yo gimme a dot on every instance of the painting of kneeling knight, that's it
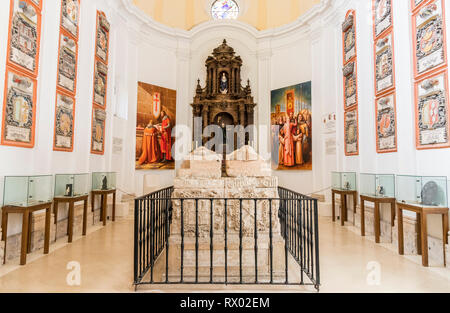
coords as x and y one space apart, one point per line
156 118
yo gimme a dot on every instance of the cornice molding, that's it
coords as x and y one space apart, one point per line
301 24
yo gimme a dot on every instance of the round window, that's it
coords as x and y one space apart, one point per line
224 9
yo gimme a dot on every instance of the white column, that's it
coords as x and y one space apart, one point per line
184 110
262 111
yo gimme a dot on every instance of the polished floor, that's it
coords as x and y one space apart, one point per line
349 263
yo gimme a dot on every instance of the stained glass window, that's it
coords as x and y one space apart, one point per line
224 9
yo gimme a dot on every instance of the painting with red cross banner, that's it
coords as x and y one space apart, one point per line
156 118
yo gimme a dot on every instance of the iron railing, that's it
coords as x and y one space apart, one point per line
213 248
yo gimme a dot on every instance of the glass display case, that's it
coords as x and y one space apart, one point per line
428 191
25 191
104 181
377 185
71 185
343 181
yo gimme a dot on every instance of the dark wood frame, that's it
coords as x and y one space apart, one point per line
71 201
27 213
343 194
422 234
104 203
377 218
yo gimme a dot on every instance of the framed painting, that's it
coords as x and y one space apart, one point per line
351 132
19 110
429 38
24 37
100 83
384 64
386 123
432 111
67 63
70 12
349 37
382 16
156 117
98 131
64 122
291 128
350 86
102 41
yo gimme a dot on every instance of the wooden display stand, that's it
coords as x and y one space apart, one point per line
422 213
71 201
377 218
343 194
104 197
27 213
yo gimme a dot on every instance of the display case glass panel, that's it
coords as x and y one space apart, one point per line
24 191
377 185
71 185
104 181
344 181
428 191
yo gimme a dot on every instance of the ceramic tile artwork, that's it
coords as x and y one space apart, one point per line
102 46
386 123
351 132
432 111
100 82
64 121
349 38
384 63
350 90
67 70
98 131
19 109
69 17
382 16
429 37
24 36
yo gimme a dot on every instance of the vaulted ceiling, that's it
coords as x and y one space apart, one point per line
262 14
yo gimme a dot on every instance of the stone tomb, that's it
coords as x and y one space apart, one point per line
259 186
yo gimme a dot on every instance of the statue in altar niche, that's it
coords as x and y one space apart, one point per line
224 84
223 94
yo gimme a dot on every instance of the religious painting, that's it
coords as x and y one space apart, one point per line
98 131
102 42
19 110
432 112
351 131
100 83
24 36
67 67
291 127
350 86
156 117
70 10
384 64
64 122
382 11
349 37
386 124
429 38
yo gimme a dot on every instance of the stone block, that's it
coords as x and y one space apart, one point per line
248 169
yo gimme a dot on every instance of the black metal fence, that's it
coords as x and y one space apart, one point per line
158 260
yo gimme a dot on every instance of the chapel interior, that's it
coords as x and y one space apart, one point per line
290 146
